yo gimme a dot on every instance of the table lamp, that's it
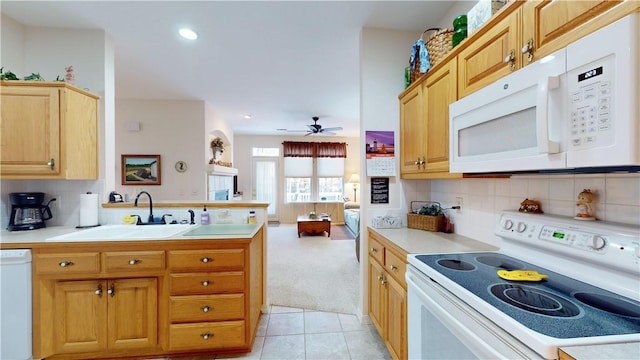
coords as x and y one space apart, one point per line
355 180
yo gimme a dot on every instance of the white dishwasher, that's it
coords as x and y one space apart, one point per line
15 304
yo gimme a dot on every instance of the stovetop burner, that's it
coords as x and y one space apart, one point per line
557 306
535 300
456 264
500 262
609 304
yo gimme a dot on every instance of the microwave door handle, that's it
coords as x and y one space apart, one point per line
545 146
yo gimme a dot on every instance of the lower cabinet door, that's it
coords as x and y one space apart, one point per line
377 304
209 335
132 313
80 309
396 319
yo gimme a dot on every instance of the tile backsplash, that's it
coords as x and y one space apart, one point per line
617 200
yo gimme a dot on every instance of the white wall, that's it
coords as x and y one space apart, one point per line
172 129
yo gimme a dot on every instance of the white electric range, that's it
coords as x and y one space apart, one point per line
589 293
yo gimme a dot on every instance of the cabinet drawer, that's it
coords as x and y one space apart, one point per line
395 266
134 260
376 250
68 263
206 260
207 283
201 308
209 335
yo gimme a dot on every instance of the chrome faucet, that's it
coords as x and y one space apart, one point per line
150 205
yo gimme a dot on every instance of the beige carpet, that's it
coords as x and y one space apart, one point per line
311 272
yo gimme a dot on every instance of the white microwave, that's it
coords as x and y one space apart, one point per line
576 108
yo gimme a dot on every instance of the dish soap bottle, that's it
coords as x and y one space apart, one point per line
252 217
204 216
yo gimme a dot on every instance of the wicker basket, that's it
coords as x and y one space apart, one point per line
424 222
439 44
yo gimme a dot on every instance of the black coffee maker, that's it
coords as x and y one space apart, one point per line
28 212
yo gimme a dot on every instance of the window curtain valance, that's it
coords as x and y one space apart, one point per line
314 149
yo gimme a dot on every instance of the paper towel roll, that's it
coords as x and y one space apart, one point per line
88 209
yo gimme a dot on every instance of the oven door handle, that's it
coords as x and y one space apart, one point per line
478 346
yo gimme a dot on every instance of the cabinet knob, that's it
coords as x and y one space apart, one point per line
205 283
111 291
134 261
51 164
65 263
206 259
374 250
206 336
511 59
528 49
393 267
99 290
205 308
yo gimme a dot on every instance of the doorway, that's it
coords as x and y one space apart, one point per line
265 184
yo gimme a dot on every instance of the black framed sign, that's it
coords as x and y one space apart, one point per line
379 190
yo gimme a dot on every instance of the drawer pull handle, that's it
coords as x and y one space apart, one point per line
65 263
206 336
205 283
134 261
206 259
206 308
394 268
373 250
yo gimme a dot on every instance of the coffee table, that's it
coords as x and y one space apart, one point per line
315 226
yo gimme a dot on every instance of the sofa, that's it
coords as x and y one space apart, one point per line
352 221
352 217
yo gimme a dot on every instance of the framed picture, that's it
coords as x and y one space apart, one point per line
141 170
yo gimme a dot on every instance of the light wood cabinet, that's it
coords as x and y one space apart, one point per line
49 131
94 316
412 130
147 299
526 31
388 294
424 125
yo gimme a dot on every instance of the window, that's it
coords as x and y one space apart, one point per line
314 179
311 178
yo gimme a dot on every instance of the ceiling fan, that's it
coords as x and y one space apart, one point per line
316 128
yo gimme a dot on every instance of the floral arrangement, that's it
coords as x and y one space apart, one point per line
217 145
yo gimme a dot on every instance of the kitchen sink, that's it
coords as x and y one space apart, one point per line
125 232
222 230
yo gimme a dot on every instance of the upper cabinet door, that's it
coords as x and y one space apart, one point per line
30 136
492 56
412 131
548 26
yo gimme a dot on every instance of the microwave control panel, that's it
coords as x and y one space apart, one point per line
591 98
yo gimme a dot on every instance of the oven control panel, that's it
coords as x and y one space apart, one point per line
613 245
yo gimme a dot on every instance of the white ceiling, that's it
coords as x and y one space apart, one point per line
282 62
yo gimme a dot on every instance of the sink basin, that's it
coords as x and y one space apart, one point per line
222 230
125 232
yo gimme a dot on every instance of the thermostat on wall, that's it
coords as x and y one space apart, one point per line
181 166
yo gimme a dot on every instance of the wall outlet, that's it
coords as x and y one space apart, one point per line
458 203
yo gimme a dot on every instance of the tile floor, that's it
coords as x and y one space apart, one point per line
292 333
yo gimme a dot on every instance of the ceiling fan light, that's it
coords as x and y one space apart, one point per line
188 34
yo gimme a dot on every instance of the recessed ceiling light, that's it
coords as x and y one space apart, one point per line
188 34
247 116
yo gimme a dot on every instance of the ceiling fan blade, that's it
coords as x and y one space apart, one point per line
312 128
332 129
309 133
329 133
297 130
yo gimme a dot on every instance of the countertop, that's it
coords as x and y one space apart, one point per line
189 204
415 241
37 238
607 351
